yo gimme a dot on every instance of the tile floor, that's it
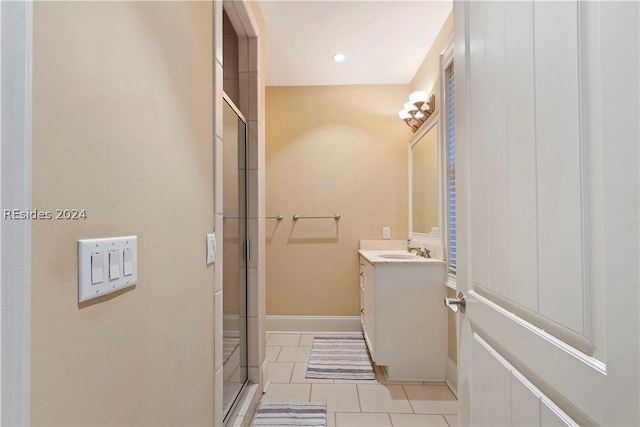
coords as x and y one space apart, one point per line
354 403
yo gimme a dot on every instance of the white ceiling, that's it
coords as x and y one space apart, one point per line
384 41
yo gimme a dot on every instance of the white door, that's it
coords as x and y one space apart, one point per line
547 167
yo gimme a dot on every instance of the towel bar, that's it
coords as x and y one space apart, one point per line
297 217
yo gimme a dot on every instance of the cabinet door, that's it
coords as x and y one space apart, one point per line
362 293
368 313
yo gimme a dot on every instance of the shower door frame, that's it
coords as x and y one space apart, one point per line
247 24
227 415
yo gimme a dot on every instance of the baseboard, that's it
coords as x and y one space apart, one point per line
452 376
313 324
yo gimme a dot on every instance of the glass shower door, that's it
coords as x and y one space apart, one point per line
234 271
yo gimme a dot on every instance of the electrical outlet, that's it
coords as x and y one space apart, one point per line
386 232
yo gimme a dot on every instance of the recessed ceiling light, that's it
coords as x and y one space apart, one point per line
338 57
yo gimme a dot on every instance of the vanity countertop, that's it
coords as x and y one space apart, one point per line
391 256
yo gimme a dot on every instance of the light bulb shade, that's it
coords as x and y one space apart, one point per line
404 114
410 107
418 97
338 57
419 115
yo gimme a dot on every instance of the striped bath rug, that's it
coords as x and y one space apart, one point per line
291 414
339 357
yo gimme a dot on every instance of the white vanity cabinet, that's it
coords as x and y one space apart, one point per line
403 316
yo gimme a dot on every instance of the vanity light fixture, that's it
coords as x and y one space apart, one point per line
419 108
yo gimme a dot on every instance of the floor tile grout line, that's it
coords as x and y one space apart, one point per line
358 394
408 400
292 371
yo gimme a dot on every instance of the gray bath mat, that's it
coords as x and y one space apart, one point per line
291 414
339 357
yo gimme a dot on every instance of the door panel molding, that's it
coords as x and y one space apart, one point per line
559 177
530 404
536 320
547 362
550 227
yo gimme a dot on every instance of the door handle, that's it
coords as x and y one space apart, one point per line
456 304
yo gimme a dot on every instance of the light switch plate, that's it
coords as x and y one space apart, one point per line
108 248
211 248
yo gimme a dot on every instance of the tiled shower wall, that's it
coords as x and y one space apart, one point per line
247 23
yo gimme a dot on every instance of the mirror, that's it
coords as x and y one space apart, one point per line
425 193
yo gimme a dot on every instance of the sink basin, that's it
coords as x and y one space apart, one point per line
398 256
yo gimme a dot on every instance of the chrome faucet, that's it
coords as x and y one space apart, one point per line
425 253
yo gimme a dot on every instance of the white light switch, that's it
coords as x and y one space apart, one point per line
127 264
106 265
115 260
97 268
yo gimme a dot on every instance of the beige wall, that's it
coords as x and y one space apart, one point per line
331 149
428 75
122 127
